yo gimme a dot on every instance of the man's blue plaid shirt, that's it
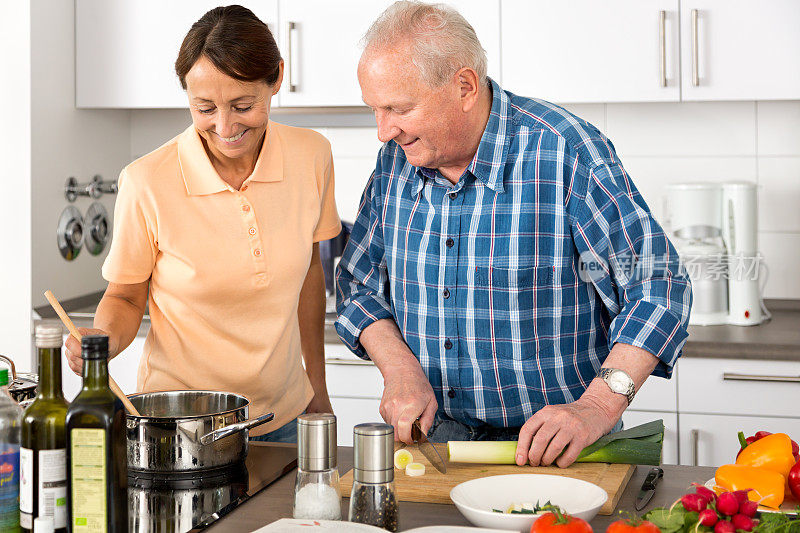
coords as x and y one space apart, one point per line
512 286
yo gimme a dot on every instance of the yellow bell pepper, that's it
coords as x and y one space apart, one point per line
765 486
773 452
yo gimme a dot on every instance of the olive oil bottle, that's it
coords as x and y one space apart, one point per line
96 443
43 448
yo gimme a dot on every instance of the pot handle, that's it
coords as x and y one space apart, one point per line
11 366
223 432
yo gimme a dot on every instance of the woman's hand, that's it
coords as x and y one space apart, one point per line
73 348
320 403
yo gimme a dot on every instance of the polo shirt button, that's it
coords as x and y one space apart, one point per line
244 188
252 231
451 393
245 208
453 195
257 253
446 294
448 344
449 242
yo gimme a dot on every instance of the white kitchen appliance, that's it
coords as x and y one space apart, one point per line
714 228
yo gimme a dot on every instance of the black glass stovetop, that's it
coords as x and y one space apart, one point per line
192 503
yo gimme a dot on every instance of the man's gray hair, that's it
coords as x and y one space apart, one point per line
442 41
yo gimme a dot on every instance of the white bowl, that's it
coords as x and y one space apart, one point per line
475 499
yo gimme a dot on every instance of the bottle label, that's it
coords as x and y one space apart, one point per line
26 484
88 451
9 487
53 486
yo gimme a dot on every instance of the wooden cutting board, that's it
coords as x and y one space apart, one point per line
434 487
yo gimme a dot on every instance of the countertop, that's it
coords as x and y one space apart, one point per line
275 501
776 339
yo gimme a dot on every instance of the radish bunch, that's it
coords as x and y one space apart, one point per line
726 512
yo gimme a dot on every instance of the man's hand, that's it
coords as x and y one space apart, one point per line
73 348
406 397
566 428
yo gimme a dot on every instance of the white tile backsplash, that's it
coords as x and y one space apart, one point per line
717 129
779 194
659 144
779 128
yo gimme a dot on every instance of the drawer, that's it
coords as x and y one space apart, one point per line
739 387
351 412
669 455
658 394
353 380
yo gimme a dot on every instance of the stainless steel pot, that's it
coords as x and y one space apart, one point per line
21 386
188 431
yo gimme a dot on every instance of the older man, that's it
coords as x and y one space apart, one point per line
503 273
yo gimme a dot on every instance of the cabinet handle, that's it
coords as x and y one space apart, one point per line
695 68
730 376
695 438
662 18
290 27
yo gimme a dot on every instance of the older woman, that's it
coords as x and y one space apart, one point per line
219 227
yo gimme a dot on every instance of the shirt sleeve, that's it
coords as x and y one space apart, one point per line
362 288
633 266
329 224
133 250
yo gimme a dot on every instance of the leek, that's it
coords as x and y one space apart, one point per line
638 445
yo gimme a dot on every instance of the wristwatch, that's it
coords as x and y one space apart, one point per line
619 382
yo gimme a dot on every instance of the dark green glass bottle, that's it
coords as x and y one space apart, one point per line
43 448
97 469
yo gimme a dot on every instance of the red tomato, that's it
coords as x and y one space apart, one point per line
560 523
633 525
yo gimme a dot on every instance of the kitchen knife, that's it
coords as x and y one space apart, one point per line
427 449
649 487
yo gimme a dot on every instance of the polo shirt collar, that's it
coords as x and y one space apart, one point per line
489 160
201 178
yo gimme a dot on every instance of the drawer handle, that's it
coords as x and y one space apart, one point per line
695 58
662 41
695 438
348 362
730 376
290 28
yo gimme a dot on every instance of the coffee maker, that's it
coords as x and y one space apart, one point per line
714 228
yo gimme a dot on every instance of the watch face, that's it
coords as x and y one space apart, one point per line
618 382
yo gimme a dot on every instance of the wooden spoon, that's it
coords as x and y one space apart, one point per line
75 333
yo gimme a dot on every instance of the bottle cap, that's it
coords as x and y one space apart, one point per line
43 524
3 377
373 445
49 335
94 347
316 442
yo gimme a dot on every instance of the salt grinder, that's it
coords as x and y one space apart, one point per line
317 493
373 500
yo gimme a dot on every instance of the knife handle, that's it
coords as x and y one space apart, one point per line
652 478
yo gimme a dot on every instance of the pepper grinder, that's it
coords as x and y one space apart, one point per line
317 494
373 500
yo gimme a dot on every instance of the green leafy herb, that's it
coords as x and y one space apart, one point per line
778 523
538 508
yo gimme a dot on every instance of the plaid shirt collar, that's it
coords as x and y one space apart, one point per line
490 159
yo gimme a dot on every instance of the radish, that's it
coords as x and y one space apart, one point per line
706 493
694 502
741 495
749 508
742 522
727 504
707 517
723 526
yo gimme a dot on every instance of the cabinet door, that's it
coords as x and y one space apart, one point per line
349 413
710 440
321 46
125 51
669 455
588 51
740 50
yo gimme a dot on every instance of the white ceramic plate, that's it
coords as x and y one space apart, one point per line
475 499
789 505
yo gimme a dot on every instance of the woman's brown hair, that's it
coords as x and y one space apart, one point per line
235 41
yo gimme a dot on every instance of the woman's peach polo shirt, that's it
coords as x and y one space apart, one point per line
225 266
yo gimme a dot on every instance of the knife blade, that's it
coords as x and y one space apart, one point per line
427 449
648 487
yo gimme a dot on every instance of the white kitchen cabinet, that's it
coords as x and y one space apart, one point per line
123 368
320 46
740 50
658 394
669 455
710 440
125 51
353 411
588 51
